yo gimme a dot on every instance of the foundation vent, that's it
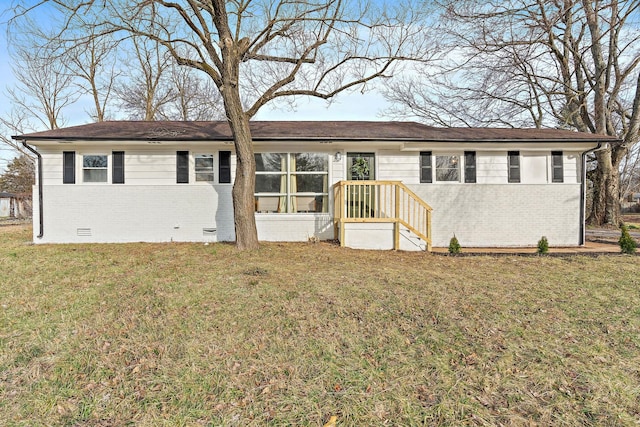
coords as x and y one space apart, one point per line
83 232
208 232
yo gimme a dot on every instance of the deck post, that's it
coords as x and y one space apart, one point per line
396 227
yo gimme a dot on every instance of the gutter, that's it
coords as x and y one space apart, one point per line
583 189
40 206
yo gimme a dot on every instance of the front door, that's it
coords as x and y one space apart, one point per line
361 198
361 166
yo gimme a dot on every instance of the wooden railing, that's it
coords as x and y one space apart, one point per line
381 201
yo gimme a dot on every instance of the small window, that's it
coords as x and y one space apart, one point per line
514 166
204 167
470 166
69 167
426 175
117 172
94 168
182 167
448 168
557 167
224 167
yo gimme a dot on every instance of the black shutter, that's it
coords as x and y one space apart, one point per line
68 167
470 166
182 168
224 167
426 174
557 167
514 166
117 175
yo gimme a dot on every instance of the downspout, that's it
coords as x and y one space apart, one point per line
40 206
583 188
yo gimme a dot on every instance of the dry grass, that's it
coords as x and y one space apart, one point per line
188 334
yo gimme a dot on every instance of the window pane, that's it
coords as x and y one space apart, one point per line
309 183
94 161
309 203
204 162
271 183
204 167
271 162
204 176
95 175
311 162
447 168
266 204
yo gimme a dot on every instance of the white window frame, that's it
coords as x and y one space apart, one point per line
105 168
289 194
212 156
434 157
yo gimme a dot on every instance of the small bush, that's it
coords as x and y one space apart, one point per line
627 244
543 246
454 245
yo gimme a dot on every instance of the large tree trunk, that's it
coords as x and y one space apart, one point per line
244 185
245 182
606 191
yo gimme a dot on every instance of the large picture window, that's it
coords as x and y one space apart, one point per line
292 182
94 168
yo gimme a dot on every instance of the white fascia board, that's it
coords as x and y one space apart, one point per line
502 146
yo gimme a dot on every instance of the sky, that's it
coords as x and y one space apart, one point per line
350 106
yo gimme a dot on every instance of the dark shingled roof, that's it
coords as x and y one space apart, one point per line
304 130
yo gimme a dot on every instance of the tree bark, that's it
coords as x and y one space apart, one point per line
244 184
606 191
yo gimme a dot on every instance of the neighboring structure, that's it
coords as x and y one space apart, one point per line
15 205
370 184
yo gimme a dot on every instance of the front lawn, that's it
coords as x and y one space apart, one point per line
293 334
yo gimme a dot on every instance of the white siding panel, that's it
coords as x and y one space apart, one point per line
394 166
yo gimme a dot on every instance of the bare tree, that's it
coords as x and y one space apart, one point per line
147 90
194 98
93 64
290 48
44 87
569 63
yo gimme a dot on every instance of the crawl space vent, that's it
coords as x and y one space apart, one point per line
83 232
208 232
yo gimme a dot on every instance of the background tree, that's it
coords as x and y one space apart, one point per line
19 177
93 65
571 63
146 92
261 51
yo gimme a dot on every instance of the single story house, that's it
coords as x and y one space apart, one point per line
379 185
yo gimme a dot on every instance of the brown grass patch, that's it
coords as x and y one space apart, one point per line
292 334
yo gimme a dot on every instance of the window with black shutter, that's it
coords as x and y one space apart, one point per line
514 166
224 167
426 174
117 173
557 167
470 166
68 167
182 167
